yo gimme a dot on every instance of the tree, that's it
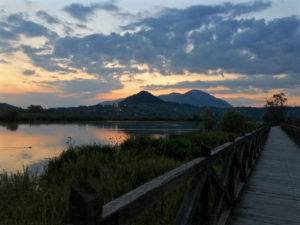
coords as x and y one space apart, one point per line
275 108
12 115
35 108
233 121
208 119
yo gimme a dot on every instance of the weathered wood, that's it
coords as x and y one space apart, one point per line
205 207
292 131
224 217
239 154
243 159
131 204
217 208
231 183
221 188
187 207
272 193
221 150
85 205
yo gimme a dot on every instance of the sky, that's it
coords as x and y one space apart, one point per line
57 53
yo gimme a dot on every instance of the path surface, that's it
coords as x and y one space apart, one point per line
272 194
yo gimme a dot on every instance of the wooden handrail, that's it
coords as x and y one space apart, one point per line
292 131
238 158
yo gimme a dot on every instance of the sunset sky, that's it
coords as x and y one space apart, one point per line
81 52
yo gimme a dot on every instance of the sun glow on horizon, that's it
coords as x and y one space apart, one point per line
61 55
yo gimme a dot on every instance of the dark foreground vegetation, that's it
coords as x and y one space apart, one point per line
113 170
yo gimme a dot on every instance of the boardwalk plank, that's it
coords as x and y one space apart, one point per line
272 194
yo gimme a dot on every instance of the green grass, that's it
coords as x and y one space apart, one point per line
113 171
27 199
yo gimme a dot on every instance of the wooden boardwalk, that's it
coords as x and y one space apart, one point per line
272 193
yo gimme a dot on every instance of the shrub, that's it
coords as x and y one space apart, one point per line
233 121
208 119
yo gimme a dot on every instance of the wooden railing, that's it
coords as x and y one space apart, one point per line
292 131
210 196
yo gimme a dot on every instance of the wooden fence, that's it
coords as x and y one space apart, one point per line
292 131
213 192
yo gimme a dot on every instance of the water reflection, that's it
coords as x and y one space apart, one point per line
33 144
11 126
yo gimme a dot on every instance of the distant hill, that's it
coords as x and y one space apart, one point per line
146 105
196 98
142 97
111 102
141 106
193 97
7 107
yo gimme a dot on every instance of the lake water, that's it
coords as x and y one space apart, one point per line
32 145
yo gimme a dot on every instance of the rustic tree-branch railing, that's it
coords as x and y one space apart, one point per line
292 131
210 196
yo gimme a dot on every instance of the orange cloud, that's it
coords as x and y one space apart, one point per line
137 82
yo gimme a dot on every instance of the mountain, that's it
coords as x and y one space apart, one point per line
144 105
193 97
7 107
111 102
142 97
196 98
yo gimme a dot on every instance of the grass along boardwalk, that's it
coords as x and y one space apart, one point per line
272 194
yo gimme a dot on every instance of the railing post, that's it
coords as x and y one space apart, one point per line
232 175
85 205
206 194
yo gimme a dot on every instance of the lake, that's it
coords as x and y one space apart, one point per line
33 144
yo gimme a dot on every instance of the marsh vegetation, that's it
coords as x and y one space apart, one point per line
27 198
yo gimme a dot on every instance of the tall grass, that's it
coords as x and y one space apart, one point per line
27 198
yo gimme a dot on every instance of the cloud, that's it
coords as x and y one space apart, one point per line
93 87
48 18
15 26
46 61
19 25
242 101
3 61
28 72
197 39
7 34
46 100
247 46
253 84
81 12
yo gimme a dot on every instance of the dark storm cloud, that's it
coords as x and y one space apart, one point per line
48 18
82 12
29 72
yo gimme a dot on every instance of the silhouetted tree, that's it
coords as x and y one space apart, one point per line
35 108
233 121
208 118
12 115
275 108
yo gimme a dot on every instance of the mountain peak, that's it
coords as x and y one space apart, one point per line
6 107
143 97
196 98
196 92
145 93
